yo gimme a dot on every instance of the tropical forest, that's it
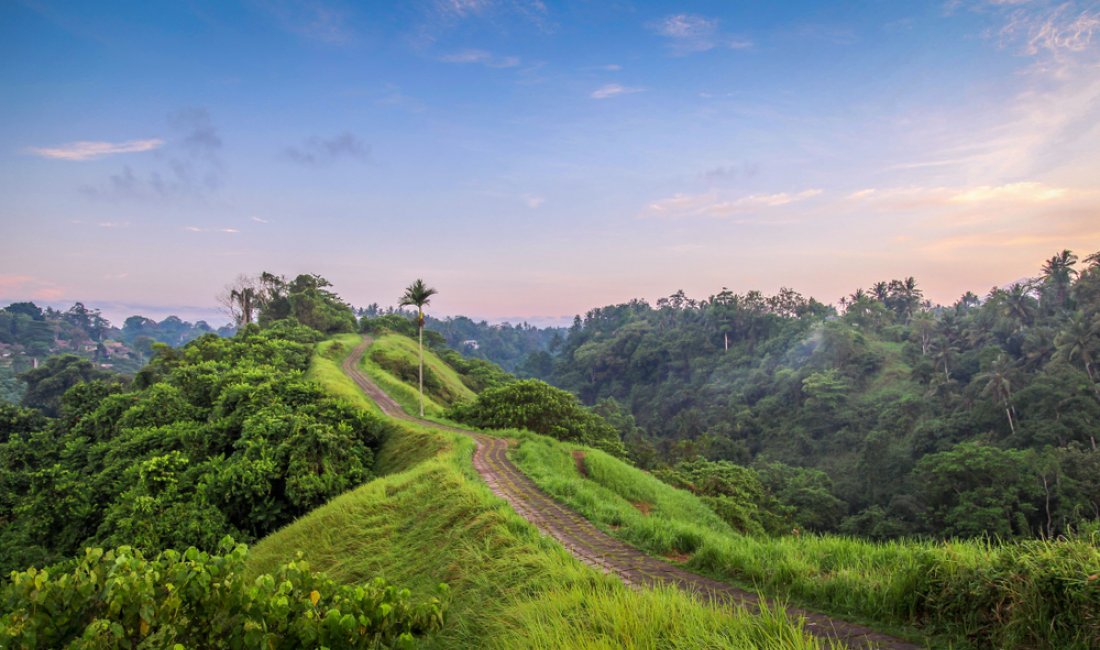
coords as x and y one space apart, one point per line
550 325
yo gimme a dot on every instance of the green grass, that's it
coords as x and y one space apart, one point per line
324 368
971 593
407 395
430 518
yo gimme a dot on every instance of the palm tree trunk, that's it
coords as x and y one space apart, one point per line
420 335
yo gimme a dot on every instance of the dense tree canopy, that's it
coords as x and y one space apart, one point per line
222 436
859 418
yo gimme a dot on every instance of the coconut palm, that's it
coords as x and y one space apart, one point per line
999 386
418 294
1079 342
1058 273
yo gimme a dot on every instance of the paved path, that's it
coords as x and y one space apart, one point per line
595 547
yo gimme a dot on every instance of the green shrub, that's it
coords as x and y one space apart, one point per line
119 599
537 406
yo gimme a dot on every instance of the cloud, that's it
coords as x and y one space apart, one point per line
613 90
711 205
462 8
90 150
113 224
259 220
1064 29
913 197
482 57
312 20
190 166
690 33
729 173
324 151
22 287
1028 192
230 231
533 201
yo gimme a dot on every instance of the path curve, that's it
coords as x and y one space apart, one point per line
595 547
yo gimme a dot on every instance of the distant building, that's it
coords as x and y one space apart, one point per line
472 344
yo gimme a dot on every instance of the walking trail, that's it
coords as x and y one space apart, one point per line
595 547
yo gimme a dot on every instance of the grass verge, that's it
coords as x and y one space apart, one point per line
1031 594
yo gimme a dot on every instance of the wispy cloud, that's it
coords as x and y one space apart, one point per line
463 7
113 224
324 151
711 205
26 286
312 20
189 167
89 150
614 90
690 33
913 197
1065 28
533 201
229 231
259 220
482 57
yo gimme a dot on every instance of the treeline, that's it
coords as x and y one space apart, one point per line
885 418
30 334
221 437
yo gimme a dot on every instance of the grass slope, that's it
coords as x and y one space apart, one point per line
1034 594
430 518
401 347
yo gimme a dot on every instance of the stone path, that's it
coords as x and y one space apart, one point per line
595 547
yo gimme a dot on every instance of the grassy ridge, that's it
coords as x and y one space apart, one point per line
405 395
430 518
1043 594
324 368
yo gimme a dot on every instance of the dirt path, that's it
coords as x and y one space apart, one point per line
596 548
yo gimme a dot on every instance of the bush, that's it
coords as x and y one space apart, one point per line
119 599
537 406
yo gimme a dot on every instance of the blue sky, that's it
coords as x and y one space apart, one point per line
536 159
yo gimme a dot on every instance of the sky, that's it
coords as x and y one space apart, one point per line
535 159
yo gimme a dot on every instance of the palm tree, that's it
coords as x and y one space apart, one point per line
1079 341
999 385
1018 304
418 294
1058 273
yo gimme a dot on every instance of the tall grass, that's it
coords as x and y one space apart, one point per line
405 395
324 368
1031 594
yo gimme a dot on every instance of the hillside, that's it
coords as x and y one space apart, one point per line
891 417
429 518
1045 595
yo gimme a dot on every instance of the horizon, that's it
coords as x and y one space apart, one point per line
531 159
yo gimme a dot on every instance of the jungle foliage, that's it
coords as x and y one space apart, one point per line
539 407
119 598
222 436
889 417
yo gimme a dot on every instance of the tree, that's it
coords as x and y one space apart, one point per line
1058 274
999 385
1079 341
419 294
242 299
